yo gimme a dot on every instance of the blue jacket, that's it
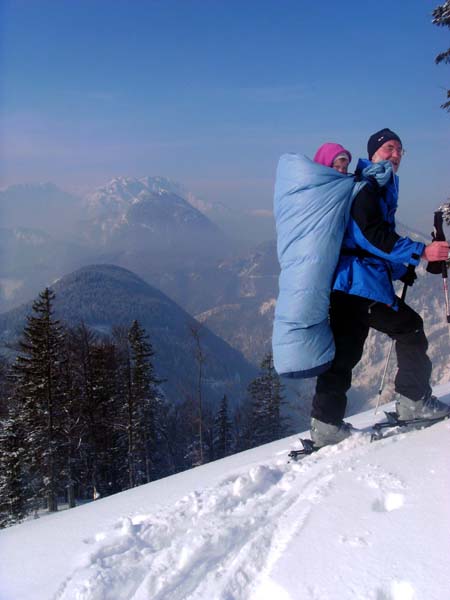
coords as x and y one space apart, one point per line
311 208
371 229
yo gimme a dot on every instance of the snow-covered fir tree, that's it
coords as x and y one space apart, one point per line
14 491
95 373
143 407
38 401
106 453
71 425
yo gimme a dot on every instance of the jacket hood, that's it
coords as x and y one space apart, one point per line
327 153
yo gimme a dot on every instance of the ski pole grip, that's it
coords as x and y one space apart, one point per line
438 235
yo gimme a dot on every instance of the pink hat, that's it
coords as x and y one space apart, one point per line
327 154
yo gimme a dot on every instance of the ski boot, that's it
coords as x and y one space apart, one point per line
428 407
325 434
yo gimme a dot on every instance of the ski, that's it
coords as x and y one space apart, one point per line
394 424
391 426
307 449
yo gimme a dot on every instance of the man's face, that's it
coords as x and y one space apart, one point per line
391 150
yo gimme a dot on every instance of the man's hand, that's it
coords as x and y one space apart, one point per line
436 251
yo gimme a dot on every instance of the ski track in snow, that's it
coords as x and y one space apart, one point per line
220 543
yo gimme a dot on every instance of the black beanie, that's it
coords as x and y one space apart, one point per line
379 138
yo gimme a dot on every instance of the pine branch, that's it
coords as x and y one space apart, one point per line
443 57
441 15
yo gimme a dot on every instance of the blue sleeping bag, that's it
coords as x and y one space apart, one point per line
311 207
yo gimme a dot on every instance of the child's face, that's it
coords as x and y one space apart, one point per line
341 165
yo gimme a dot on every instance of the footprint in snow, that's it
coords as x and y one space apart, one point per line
355 541
391 501
399 590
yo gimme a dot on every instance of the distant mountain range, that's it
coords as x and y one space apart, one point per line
103 296
151 225
215 211
140 224
145 208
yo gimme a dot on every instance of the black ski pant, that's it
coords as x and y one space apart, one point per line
350 319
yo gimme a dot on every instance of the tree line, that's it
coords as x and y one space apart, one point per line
83 416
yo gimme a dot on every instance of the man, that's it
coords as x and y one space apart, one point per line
372 255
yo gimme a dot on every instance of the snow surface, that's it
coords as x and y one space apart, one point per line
361 520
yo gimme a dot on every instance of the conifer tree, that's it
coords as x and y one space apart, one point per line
13 500
197 449
72 426
14 491
266 395
4 387
141 405
81 342
223 431
95 466
108 454
441 18
144 394
243 427
37 399
177 437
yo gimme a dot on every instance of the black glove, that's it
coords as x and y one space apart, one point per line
409 277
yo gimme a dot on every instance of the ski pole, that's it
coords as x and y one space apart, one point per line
435 268
445 282
380 389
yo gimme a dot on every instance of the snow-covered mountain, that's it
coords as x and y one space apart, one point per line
246 227
213 210
356 521
146 227
110 206
121 201
149 225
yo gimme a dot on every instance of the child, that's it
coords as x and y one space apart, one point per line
334 156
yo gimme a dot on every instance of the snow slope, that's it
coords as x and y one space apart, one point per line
357 521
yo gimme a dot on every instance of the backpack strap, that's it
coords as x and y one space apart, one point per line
358 252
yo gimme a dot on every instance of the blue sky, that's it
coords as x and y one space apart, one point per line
211 92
